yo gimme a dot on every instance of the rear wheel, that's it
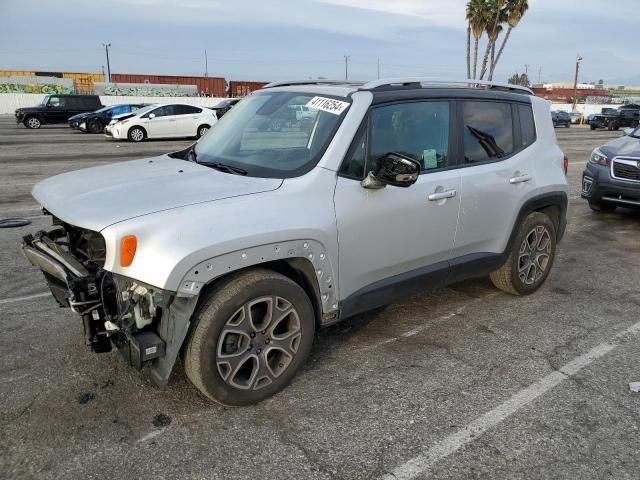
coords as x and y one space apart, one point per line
531 257
601 207
593 127
95 126
32 122
136 134
251 335
202 129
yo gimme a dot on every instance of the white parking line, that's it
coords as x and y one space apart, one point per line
421 464
25 297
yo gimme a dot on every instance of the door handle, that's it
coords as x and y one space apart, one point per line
434 197
520 179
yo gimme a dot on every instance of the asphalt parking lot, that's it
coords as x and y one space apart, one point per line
465 382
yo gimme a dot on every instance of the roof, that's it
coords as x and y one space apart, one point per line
346 87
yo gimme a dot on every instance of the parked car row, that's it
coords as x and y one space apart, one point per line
135 122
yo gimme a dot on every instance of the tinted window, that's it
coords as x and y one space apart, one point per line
163 111
57 102
418 130
186 109
527 127
353 166
488 131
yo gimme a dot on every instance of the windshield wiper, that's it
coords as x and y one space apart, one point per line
225 168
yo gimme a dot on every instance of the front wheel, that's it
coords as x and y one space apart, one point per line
530 258
136 134
95 127
251 334
32 122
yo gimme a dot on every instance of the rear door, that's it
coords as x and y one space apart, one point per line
497 173
188 120
163 124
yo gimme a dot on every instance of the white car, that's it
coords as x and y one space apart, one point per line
162 121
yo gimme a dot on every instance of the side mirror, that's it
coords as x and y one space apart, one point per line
152 116
628 131
396 170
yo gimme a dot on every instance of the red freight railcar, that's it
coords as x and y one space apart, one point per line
213 86
239 88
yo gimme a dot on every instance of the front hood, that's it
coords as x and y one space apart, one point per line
95 198
622 147
80 116
29 109
122 116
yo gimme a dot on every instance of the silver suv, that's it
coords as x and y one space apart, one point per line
234 251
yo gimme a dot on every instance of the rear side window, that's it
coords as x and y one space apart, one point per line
527 126
488 131
186 109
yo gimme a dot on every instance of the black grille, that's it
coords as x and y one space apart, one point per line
628 172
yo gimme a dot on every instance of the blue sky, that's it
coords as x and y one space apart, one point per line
284 39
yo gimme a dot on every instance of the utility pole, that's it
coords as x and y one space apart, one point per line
540 75
575 83
206 64
526 69
106 49
346 67
378 68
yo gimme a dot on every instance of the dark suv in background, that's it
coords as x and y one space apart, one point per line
612 176
57 109
560 117
613 119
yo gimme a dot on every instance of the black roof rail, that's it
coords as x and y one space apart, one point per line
419 82
291 83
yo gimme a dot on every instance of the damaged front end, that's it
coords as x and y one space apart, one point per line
147 324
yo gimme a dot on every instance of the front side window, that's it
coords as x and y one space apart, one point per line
418 130
162 111
56 102
488 131
266 136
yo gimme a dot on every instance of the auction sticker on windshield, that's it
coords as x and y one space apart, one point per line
328 105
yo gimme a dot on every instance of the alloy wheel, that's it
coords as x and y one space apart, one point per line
534 255
258 343
33 122
137 135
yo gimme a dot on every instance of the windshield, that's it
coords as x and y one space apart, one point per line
142 110
273 134
45 100
635 133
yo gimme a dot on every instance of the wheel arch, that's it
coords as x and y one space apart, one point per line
553 204
304 261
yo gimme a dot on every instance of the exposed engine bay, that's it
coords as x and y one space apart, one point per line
115 310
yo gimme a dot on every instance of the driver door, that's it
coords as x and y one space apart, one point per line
393 240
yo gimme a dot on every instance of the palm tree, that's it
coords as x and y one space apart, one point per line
495 13
517 9
476 18
468 49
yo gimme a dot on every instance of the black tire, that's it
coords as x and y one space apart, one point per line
32 122
202 129
520 276
601 207
136 134
593 127
95 126
568 125
209 341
